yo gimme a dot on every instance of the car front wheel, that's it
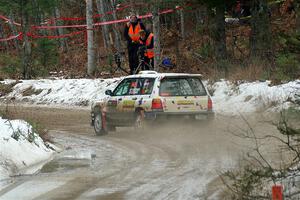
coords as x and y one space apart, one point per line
99 124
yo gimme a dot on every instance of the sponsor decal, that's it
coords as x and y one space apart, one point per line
128 104
112 103
185 102
141 101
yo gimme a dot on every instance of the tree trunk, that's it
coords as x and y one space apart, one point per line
181 13
115 28
105 31
14 31
2 35
26 48
219 34
37 12
91 67
60 31
156 32
132 6
297 9
261 36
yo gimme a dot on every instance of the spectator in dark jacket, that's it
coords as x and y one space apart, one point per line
146 39
131 33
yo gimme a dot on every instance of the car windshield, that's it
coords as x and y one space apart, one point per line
182 86
134 86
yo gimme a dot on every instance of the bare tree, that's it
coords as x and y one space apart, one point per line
219 32
261 36
181 14
249 180
297 9
26 47
105 30
91 67
60 31
156 32
115 27
14 30
3 36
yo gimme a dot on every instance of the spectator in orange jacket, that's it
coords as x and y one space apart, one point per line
131 33
146 39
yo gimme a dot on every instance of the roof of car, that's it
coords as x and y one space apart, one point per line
154 74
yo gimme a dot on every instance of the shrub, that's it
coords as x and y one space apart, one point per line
206 50
46 57
10 66
39 129
288 67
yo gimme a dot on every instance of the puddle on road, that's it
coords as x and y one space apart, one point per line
65 164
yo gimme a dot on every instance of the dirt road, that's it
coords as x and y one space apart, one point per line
173 161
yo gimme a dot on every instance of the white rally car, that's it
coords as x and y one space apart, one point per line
149 96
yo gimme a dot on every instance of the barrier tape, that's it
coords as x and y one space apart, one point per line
51 21
81 26
11 37
107 22
8 20
55 36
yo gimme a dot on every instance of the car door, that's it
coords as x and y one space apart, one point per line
129 94
183 94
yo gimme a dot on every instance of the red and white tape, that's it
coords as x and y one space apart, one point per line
107 22
8 20
11 37
79 26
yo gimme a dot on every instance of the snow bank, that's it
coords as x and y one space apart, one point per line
68 92
21 150
228 98
232 98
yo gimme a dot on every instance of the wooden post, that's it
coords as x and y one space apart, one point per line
277 192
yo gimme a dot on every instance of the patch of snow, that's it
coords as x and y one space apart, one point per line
70 92
21 150
228 98
31 190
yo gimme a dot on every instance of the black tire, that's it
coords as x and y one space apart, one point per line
99 124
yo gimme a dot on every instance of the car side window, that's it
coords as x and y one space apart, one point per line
147 86
175 87
134 86
197 87
122 88
185 86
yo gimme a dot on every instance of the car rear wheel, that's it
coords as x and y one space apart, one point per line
99 124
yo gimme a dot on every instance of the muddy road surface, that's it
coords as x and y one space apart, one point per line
173 161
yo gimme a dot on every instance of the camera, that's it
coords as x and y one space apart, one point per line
141 52
117 58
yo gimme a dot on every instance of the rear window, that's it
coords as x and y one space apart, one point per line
182 86
134 86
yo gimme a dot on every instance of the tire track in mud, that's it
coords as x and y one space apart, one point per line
172 162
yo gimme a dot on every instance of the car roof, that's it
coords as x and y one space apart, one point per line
154 74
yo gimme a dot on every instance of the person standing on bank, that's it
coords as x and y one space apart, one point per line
131 33
146 39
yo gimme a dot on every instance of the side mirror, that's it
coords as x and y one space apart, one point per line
108 92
